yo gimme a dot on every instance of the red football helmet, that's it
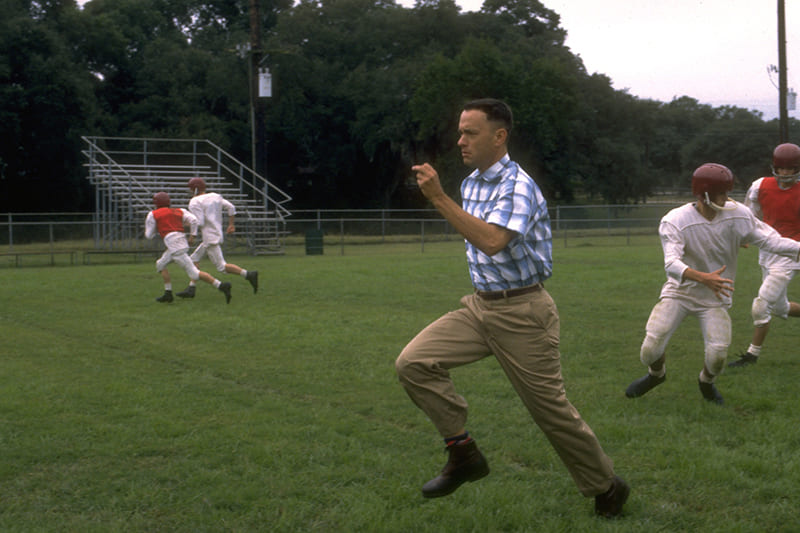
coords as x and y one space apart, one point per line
161 199
711 178
197 185
786 156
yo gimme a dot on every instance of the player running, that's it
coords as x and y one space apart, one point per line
701 241
207 207
776 201
169 223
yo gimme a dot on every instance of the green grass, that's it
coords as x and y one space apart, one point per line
282 411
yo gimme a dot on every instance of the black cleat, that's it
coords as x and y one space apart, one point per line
710 392
745 359
642 385
165 298
252 277
226 289
188 292
609 504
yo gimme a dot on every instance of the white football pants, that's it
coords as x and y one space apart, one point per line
667 315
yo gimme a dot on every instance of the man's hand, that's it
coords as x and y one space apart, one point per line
191 240
714 281
428 181
231 228
488 238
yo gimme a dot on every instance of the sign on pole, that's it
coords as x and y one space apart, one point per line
264 83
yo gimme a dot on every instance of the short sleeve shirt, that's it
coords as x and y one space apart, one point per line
507 196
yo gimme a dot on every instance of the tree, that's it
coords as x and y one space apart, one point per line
46 103
363 89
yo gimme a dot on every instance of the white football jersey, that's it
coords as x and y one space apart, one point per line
690 240
208 210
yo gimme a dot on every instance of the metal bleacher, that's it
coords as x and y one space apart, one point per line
126 172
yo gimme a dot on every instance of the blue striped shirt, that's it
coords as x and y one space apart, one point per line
507 196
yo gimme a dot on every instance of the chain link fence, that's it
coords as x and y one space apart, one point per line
71 238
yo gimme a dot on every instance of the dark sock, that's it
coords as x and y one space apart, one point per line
458 439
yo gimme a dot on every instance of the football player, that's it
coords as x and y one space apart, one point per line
701 243
776 201
169 223
207 207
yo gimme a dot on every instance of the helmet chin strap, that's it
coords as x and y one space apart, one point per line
717 207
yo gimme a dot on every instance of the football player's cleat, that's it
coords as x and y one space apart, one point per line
644 384
745 359
252 277
165 298
226 289
188 292
710 392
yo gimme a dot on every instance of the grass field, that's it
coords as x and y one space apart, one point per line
282 411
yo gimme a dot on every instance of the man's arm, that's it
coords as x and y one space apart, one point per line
767 238
751 198
231 209
150 229
488 238
196 208
191 221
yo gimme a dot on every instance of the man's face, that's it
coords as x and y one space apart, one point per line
481 141
786 176
718 198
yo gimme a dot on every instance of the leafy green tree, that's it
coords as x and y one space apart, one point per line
736 138
363 89
46 103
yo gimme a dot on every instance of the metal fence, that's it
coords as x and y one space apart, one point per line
24 234
386 223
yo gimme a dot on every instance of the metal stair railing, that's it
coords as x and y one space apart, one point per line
126 171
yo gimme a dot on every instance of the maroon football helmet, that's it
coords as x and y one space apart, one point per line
711 178
786 156
161 199
197 185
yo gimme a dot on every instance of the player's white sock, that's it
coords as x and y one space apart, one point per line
168 286
243 273
754 350
217 283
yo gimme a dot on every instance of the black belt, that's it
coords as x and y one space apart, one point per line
509 293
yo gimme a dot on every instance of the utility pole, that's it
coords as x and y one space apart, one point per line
257 133
782 84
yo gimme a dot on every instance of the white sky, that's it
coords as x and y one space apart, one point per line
716 51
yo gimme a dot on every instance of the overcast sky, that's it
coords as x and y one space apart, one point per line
717 51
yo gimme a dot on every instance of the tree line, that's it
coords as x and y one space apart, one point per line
362 89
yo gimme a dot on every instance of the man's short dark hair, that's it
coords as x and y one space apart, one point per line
496 111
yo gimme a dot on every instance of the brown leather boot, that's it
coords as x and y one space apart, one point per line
609 504
465 463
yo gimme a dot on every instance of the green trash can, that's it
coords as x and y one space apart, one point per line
314 242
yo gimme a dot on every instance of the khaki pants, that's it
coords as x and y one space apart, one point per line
523 334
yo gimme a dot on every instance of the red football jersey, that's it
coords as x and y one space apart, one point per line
168 219
780 208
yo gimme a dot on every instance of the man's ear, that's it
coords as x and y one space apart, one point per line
501 136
